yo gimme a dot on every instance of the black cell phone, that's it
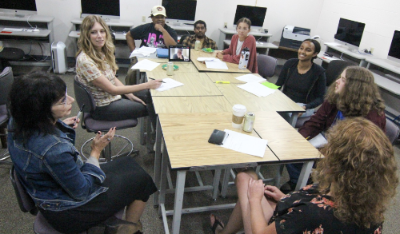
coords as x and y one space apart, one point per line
217 137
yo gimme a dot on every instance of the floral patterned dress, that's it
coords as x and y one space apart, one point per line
309 212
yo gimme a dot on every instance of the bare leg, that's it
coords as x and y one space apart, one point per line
135 210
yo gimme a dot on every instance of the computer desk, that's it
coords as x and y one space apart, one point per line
45 33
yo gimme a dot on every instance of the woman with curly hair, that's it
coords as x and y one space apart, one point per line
353 94
96 68
354 184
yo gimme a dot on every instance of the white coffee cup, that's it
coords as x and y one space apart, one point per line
238 112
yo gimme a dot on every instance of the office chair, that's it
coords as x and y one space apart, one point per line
26 204
392 130
6 80
84 97
266 65
10 54
335 68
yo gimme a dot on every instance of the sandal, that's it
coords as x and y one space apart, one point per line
217 223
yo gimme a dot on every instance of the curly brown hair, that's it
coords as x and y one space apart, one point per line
359 95
359 169
86 46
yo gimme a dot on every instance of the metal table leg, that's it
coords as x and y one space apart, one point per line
304 174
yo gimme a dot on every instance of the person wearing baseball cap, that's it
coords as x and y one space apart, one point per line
155 34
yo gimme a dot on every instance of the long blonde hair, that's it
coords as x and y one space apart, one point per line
85 45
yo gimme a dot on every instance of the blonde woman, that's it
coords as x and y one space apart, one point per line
96 68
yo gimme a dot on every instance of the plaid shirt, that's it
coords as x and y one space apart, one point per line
207 43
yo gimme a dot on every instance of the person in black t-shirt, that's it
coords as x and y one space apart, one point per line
155 34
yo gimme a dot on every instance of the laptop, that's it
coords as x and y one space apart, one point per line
179 53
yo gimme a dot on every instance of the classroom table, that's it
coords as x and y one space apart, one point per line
232 67
186 138
274 102
231 77
204 104
195 84
186 148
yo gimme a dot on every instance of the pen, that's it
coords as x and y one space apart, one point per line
79 114
155 79
222 82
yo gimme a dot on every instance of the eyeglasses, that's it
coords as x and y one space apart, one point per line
64 100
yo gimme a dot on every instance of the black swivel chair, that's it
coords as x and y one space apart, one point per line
335 68
84 97
266 65
6 80
10 54
26 204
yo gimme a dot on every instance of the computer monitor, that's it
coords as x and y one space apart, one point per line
255 14
180 11
18 7
349 33
107 9
394 50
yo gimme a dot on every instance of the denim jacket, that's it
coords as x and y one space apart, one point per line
52 171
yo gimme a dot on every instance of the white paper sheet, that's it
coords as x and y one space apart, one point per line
257 89
142 52
251 78
168 84
216 64
244 143
202 59
318 141
145 64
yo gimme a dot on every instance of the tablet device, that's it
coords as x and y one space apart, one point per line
179 53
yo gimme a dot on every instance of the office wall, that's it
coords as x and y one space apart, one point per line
381 18
321 17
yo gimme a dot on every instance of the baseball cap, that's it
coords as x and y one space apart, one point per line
158 10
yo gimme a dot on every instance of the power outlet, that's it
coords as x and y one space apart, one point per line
225 25
143 19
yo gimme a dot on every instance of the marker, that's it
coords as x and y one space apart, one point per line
222 82
79 114
155 79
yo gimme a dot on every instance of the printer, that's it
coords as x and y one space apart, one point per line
293 36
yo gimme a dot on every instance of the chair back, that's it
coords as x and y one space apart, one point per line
335 68
392 130
84 96
266 65
6 80
25 202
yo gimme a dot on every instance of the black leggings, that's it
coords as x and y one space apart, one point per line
126 109
126 181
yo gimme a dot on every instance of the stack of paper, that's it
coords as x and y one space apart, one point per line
244 143
250 78
216 64
257 89
145 64
143 52
168 83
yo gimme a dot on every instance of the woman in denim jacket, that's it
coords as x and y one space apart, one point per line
72 195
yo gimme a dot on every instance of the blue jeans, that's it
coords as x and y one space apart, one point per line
294 170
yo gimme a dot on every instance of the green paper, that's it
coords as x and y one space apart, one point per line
270 85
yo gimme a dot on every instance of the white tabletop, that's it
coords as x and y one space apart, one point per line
387 84
30 18
265 45
111 22
346 51
386 64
